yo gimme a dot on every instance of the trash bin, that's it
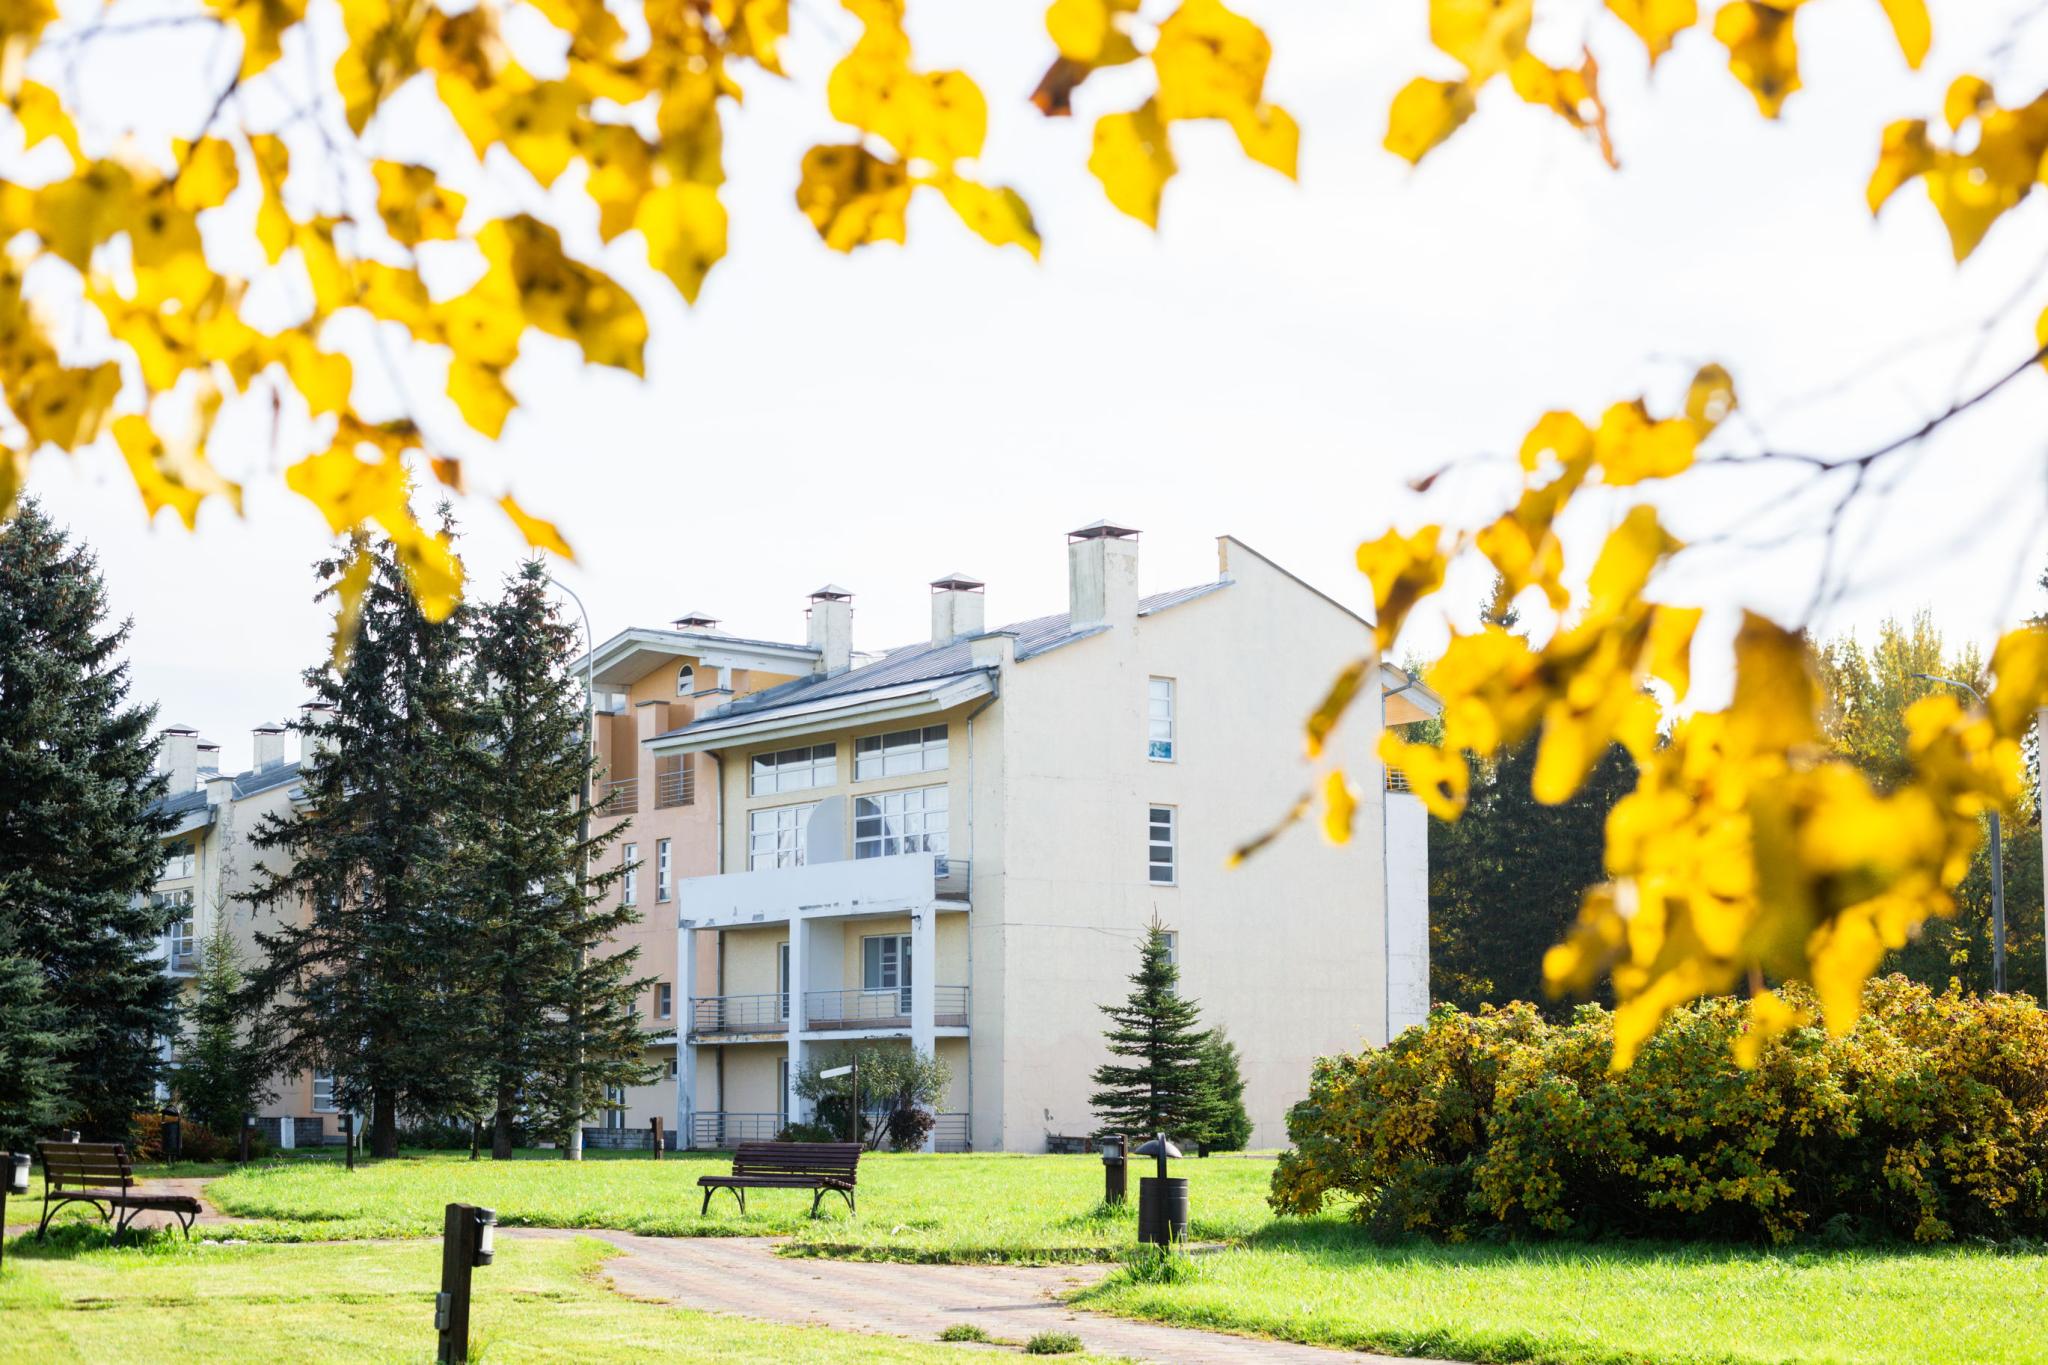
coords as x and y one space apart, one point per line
1162 1210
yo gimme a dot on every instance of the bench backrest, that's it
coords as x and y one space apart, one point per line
837 1159
86 1165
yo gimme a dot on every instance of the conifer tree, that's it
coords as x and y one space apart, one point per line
80 838
367 917
1159 1088
1222 1123
224 1074
560 1006
34 1075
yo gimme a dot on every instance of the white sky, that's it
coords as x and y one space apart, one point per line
1274 364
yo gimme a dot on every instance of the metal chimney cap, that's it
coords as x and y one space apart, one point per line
176 728
957 582
693 618
270 727
1103 530
832 592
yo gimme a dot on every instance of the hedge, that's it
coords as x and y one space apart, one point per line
1929 1120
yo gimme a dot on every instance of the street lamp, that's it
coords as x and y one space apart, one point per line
1997 861
574 1151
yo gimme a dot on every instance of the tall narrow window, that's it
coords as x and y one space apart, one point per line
686 680
776 836
664 1000
675 780
323 1092
885 967
661 869
1162 830
1159 704
782 976
631 892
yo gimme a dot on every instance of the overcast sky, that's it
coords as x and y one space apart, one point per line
1274 364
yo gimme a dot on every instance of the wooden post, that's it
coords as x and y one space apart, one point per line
655 1124
451 1306
242 1143
348 1138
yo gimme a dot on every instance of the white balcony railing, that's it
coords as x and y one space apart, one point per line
849 886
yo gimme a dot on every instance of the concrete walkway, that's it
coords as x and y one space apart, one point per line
743 1275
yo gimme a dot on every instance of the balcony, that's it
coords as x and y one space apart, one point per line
725 1129
619 798
712 1014
881 1009
677 788
848 886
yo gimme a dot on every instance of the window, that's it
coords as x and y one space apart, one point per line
615 1107
664 1000
183 944
795 770
907 751
671 1068
885 966
1161 833
686 680
323 1092
631 858
775 837
661 869
782 1089
890 823
782 976
675 780
1173 950
1159 702
178 859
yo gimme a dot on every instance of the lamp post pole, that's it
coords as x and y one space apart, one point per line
1997 862
574 1150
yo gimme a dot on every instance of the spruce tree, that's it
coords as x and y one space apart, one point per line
224 1073
560 1011
34 1076
1159 1089
1222 1123
80 837
367 914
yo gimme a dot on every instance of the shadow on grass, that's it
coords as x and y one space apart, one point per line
68 1240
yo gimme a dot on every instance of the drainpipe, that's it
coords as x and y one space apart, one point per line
972 859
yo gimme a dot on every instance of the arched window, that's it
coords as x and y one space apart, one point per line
686 680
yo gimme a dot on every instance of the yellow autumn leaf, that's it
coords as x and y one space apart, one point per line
755 30
619 165
1441 781
564 297
1269 136
1335 703
1092 32
323 378
63 406
1424 113
998 215
432 570
414 205
1670 646
177 476
1133 158
1211 62
1967 97
333 288
1486 35
1769 1017
2019 665
206 173
1561 435
538 124
348 598
1762 52
1403 570
1656 22
1630 446
262 23
1776 694
381 54
1912 28
684 225
42 116
274 227
1709 398
348 489
852 196
539 533
1340 807
1632 552
940 116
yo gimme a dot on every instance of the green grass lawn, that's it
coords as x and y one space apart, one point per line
982 1207
1607 1304
76 1299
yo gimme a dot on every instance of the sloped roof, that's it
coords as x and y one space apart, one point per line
926 662
246 784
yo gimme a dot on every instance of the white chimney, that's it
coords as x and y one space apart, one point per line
311 745
831 628
695 622
209 757
177 756
268 746
956 608
1102 575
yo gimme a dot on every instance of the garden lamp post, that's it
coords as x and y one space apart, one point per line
467 1241
1997 862
574 1150
1115 1170
15 1183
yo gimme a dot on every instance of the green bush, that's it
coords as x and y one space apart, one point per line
965 1331
1053 1344
1928 1120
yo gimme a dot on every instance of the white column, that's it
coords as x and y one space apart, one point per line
924 969
285 1135
686 1052
799 960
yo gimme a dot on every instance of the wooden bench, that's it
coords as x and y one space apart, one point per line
100 1174
822 1167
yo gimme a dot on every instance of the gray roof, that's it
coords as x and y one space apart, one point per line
926 662
246 784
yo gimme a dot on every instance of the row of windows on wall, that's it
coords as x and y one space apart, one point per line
885 825
179 859
905 752
664 872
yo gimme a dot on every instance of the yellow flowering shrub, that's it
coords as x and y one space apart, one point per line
1928 1119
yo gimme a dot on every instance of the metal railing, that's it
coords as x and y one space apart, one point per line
950 1134
184 959
881 1009
722 1129
621 797
1397 781
674 789
739 1013
951 878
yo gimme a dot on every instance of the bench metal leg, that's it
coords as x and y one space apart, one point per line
736 1191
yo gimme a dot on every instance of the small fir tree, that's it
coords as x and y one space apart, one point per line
1159 1087
80 835
368 911
224 1074
1223 1123
558 1001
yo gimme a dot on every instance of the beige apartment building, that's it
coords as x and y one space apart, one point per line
209 865
957 846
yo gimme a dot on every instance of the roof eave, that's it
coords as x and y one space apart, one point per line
831 713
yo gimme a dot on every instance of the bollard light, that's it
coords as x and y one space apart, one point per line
486 1235
17 1173
1115 1171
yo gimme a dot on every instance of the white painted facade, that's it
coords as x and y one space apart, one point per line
1024 915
